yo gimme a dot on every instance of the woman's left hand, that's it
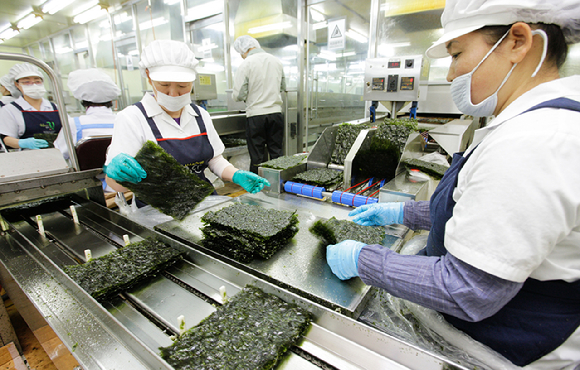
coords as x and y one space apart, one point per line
251 182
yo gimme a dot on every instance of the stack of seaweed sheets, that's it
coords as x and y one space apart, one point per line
285 162
334 231
250 332
123 268
169 186
244 232
324 177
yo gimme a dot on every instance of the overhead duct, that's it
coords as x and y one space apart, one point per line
272 22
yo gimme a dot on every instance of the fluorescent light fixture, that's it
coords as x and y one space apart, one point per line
270 27
398 44
317 16
84 7
347 54
89 15
8 34
320 25
29 21
120 18
356 36
54 6
204 10
327 55
152 23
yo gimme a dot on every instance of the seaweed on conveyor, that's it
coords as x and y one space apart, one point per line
285 162
233 142
122 268
334 231
243 231
169 186
434 169
324 177
346 135
250 332
49 137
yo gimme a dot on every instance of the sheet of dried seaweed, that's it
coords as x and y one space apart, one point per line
250 332
346 135
123 268
169 186
244 231
285 162
434 169
334 231
50 138
324 177
233 142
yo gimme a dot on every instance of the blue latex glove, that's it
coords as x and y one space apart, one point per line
32 143
251 182
379 214
125 168
343 258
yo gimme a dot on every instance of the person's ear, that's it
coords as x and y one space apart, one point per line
519 41
148 78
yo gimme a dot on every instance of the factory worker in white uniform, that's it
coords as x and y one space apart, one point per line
502 261
29 114
167 116
8 91
96 91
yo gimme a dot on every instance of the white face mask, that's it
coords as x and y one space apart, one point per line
34 91
172 103
461 86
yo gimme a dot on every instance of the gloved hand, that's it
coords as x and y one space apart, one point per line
32 143
123 167
379 214
343 258
251 182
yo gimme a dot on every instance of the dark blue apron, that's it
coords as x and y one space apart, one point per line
80 127
541 316
1 104
193 152
39 122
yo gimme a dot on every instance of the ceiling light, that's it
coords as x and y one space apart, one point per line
90 15
327 55
356 36
84 7
152 23
7 34
270 27
398 44
204 11
29 21
54 6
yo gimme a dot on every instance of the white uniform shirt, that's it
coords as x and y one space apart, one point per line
94 116
132 131
259 81
518 198
7 99
11 119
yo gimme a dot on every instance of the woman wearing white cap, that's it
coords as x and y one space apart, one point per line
502 262
8 91
96 91
29 114
168 117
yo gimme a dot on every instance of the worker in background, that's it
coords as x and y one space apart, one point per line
168 117
29 114
502 262
96 91
259 81
8 91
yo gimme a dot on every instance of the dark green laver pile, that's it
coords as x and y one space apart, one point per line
50 138
319 177
334 231
122 268
250 332
285 162
346 135
243 231
169 186
434 169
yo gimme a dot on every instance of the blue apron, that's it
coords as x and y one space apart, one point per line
80 127
39 122
1 104
541 316
193 152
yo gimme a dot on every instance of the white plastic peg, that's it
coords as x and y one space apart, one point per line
181 323
224 294
88 255
40 225
73 212
126 239
4 224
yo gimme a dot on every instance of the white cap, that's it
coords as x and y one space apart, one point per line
461 17
8 85
22 70
245 43
169 61
92 85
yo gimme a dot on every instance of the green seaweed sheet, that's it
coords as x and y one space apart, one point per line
334 231
49 137
434 169
319 177
121 269
233 142
285 162
169 186
346 135
244 232
250 332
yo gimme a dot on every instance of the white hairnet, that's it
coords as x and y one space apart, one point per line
169 61
92 85
245 43
461 17
5 81
22 70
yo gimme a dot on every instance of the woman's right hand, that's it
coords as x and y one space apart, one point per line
125 168
379 214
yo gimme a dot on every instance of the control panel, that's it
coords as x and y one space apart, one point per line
401 78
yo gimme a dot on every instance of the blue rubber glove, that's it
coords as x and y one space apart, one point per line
125 168
32 143
343 258
251 182
379 214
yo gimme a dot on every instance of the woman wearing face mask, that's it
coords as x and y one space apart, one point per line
8 92
502 262
29 114
168 117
